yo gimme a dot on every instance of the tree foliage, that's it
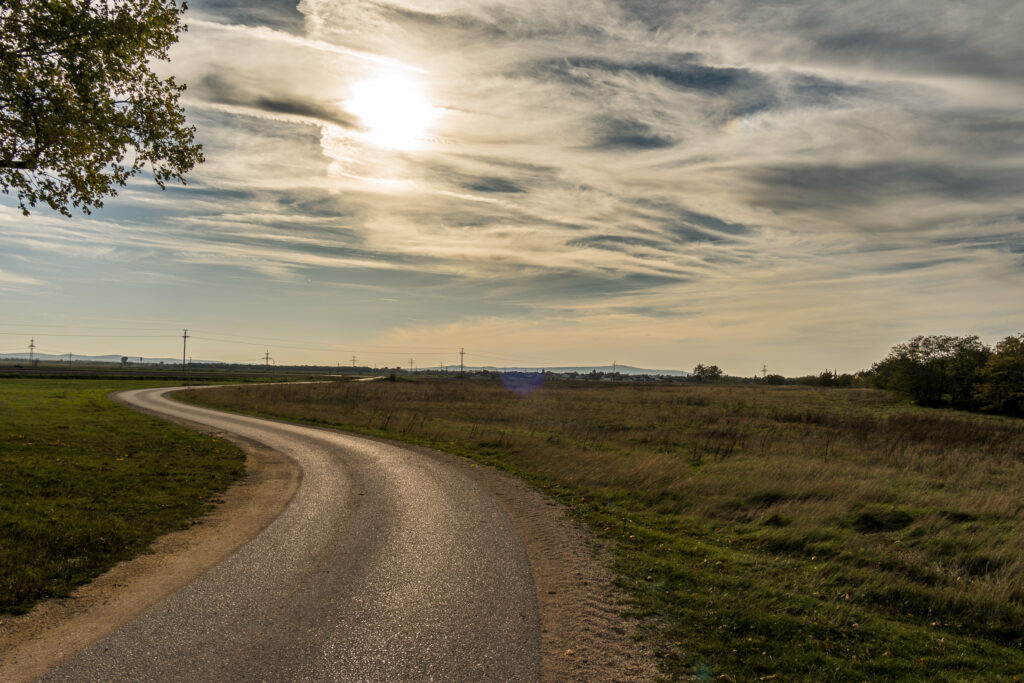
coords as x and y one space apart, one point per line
957 371
707 373
830 378
1002 379
934 370
82 110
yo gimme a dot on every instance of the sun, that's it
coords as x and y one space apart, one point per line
393 109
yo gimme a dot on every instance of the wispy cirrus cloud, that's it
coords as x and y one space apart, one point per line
719 176
13 281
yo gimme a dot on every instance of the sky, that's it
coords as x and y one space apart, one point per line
796 185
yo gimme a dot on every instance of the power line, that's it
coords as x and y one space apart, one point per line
53 352
538 363
184 345
230 339
88 327
96 336
261 340
323 348
227 339
239 339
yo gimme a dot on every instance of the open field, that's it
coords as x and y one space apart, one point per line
802 533
166 374
85 483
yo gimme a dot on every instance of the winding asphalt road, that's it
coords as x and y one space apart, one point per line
386 566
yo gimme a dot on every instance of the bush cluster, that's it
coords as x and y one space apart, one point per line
961 372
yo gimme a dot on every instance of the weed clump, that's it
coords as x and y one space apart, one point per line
878 519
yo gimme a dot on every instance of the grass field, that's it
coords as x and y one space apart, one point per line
763 533
85 483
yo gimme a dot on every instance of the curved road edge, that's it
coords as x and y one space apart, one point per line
55 630
583 636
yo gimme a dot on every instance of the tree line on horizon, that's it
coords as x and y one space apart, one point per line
941 371
960 372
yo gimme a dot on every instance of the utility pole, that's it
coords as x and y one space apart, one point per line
32 350
184 346
462 362
764 371
412 367
266 358
69 356
353 361
613 367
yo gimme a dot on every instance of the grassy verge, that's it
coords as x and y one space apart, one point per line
86 483
763 533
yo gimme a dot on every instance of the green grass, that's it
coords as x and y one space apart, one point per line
86 483
801 533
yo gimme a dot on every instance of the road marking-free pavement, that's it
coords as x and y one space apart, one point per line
386 566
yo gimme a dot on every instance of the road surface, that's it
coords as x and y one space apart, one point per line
386 566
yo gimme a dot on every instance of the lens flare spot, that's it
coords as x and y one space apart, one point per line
522 383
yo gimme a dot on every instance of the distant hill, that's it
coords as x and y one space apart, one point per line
76 358
587 369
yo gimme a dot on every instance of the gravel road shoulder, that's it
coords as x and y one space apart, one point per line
584 636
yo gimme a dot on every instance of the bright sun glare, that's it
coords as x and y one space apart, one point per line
393 109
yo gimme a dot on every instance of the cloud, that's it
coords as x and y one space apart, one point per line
681 71
493 184
873 184
221 88
263 34
627 134
13 281
727 176
278 15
